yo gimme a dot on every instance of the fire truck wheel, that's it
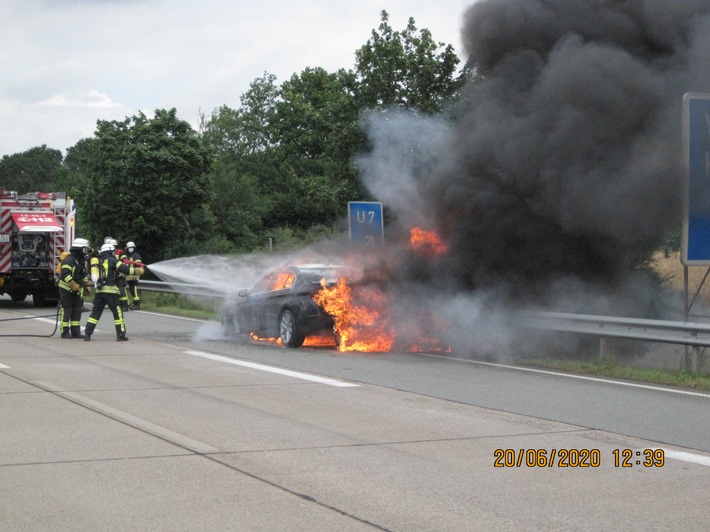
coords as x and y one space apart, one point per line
18 296
288 330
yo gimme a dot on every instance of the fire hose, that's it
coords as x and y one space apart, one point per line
56 325
55 316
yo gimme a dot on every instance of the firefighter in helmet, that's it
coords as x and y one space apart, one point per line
105 273
73 281
133 256
121 280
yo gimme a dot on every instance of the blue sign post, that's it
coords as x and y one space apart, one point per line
366 224
696 139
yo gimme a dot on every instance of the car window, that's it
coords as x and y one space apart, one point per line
264 284
283 280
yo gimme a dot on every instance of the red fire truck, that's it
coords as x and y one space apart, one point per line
35 229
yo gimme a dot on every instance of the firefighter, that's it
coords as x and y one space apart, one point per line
121 281
73 281
133 256
104 273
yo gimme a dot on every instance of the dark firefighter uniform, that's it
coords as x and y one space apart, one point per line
121 283
72 275
133 256
107 292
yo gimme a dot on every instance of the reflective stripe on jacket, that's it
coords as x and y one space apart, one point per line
110 267
72 269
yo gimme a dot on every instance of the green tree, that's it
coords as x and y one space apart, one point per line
77 163
245 131
149 181
245 162
316 125
34 170
284 160
407 69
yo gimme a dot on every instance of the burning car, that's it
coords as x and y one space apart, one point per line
281 304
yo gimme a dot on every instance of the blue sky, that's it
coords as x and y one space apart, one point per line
67 63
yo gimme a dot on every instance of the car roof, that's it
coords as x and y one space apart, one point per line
317 266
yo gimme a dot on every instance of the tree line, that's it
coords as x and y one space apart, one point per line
280 166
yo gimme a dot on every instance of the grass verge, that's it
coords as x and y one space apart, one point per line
179 305
604 368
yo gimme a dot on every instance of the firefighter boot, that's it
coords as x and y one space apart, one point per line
120 334
65 333
136 305
76 332
88 331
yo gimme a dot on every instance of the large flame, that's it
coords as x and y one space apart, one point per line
361 321
362 312
363 317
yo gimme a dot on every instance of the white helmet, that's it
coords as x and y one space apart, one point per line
107 240
107 247
80 243
130 245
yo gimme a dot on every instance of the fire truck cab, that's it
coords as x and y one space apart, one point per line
35 229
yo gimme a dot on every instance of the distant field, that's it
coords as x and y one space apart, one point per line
672 268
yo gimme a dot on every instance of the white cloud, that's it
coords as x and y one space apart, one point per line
67 64
88 99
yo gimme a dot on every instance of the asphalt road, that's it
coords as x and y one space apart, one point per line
183 429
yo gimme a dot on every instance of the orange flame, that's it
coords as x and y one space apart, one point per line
258 338
361 322
310 341
427 242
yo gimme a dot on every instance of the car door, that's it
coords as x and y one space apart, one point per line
282 284
250 305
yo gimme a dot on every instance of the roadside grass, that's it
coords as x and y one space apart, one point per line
606 368
179 305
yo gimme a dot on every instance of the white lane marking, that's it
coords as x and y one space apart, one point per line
3 366
45 320
272 369
571 376
167 316
142 424
687 457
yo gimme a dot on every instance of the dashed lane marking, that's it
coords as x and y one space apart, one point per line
272 369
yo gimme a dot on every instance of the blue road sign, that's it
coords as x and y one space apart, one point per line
366 223
696 138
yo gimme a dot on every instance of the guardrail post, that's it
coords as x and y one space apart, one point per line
603 348
686 362
701 360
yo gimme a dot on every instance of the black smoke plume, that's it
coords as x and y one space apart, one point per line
563 168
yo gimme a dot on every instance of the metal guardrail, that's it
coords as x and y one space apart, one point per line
673 332
187 289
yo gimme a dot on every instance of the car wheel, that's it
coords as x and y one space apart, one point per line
18 296
288 330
